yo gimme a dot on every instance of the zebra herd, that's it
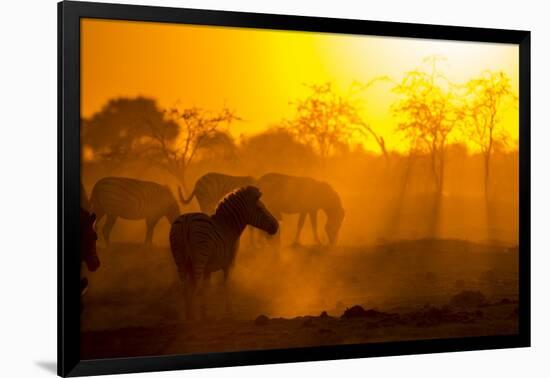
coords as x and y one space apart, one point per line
206 242
283 194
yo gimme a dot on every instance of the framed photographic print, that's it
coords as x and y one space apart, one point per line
239 188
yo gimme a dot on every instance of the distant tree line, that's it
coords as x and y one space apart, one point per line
432 113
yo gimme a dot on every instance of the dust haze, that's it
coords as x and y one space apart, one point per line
430 232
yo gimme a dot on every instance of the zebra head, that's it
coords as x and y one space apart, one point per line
243 207
88 238
259 216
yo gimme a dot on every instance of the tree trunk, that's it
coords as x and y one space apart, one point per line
441 170
486 176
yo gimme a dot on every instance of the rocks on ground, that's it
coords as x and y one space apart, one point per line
468 299
261 320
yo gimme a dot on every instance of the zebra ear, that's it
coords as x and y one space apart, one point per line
255 192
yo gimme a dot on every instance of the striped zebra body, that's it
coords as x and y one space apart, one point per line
212 187
285 194
132 199
203 244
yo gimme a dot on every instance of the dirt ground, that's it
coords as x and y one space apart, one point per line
303 296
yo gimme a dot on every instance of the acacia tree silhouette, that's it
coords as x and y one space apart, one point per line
324 119
487 96
363 127
197 129
113 134
430 110
269 145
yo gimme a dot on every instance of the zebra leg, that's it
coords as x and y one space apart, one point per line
199 296
99 214
199 284
226 294
313 219
301 221
151 223
189 288
206 278
206 283
108 226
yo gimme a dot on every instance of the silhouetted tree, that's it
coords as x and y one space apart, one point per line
430 110
113 134
487 96
324 119
279 149
198 129
361 126
220 145
367 131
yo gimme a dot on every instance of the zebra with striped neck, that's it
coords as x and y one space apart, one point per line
203 244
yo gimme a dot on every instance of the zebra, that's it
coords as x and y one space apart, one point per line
202 244
212 187
84 202
88 252
304 196
132 199
88 238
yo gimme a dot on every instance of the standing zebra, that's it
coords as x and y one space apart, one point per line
88 237
88 252
84 202
132 199
212 187
203 244
305 196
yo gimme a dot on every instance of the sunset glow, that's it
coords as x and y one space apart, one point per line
257 73
260 189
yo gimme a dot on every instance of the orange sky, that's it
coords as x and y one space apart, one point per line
257 72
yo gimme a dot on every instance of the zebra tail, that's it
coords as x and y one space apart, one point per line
182 198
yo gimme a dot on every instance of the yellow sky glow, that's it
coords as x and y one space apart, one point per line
257 72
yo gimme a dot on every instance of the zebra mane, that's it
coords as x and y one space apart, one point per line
242 195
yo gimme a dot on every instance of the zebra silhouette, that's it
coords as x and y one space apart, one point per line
212 187
203 244
88 237
132 199
88 252
84 201
286 194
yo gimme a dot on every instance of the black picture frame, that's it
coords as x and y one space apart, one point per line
69 15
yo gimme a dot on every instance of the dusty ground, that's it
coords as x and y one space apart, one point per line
407 290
